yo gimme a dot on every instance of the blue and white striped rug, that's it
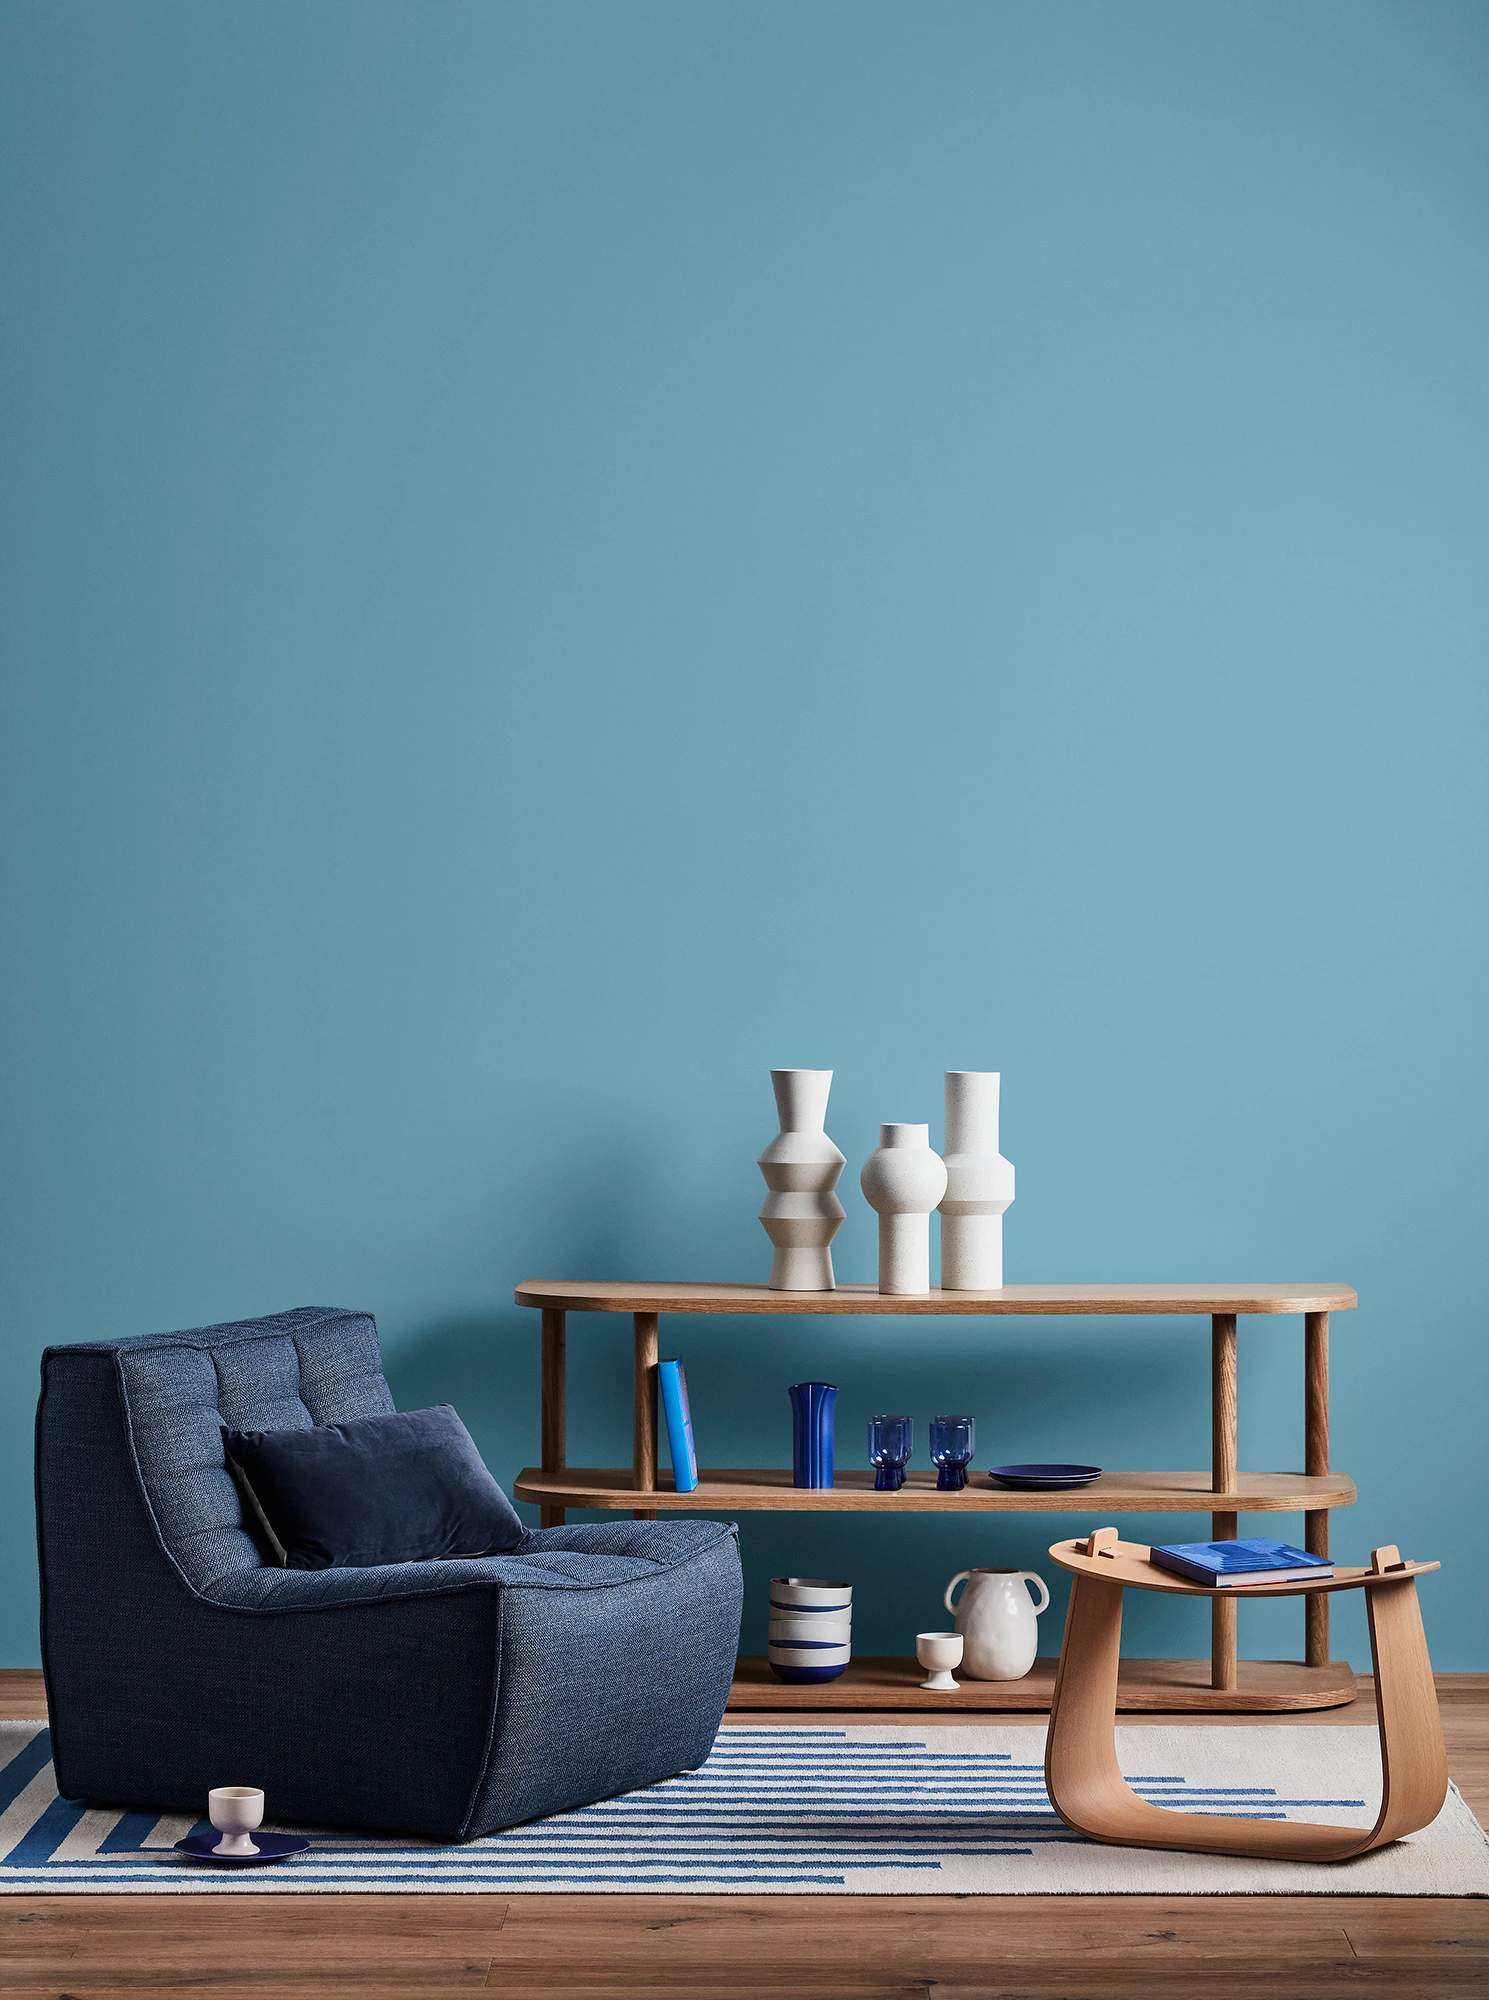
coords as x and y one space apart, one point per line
947 1810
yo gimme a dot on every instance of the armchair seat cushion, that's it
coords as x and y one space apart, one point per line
590 1557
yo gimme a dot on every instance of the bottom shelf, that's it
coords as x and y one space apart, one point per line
1172 1686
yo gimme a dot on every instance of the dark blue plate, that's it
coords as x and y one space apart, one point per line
1043 1478
271 1847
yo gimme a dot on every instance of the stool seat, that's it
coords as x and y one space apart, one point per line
1085 1782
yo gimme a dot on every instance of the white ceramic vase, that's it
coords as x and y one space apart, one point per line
979 1184
998 1624
903 1181
801 1214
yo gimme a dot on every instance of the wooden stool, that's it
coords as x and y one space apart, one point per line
1087 1788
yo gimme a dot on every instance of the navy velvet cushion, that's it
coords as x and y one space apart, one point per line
408 1487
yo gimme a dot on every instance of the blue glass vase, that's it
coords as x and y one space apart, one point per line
811 1433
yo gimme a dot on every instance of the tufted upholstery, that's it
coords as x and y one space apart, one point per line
312 1366
444 1698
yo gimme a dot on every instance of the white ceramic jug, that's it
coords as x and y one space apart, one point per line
997 1621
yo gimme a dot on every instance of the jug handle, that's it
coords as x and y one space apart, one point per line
1028 1576
961 1576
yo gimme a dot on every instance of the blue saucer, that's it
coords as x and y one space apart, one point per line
271 1847
1043 1478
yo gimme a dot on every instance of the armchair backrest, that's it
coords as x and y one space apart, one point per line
173 1393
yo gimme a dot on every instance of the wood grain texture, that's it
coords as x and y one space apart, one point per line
1129 1565
761 1947
1263 1687
554 1404
1316 1460
1085 1781
597 1295
769 1488
776 1947
1223 1402
1224 1524
644 1412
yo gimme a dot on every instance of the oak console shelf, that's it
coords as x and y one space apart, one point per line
1224 1492
745 1491
1164 1687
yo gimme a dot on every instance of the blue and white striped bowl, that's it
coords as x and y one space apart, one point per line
830 1630
808 1663
811 1628
809 1593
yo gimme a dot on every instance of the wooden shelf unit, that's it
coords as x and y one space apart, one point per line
1163 1687
1224 1492
771 1490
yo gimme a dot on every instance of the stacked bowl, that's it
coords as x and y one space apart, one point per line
811 1626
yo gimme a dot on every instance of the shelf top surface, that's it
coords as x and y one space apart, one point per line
770 1488
1130 1564
606 1295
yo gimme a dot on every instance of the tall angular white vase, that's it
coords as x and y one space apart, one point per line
903 1181
801 1214
979 1184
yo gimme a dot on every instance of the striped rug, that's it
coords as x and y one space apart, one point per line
947 1810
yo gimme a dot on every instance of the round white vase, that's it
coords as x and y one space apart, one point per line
801 1214
979 1184
997 1621
903 1181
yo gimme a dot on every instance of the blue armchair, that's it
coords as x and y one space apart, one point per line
445 1698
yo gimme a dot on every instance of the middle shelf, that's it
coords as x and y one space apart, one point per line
770 1488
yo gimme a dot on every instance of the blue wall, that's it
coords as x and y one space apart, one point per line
561 555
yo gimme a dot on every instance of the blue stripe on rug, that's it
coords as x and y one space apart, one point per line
23 1767
772 1811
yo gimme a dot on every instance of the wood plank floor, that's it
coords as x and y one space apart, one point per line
773 1947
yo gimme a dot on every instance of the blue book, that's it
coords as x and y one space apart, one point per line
674 1388
1225 1565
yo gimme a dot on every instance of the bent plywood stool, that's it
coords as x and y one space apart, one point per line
1086 1786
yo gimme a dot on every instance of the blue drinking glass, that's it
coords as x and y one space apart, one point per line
891 1447
953 1441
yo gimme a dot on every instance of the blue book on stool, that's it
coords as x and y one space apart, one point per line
1224 1565
674 1388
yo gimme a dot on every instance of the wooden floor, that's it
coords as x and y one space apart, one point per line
774 1947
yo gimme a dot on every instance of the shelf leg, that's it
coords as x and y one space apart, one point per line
1316 1460
1223 1480
555 1406
644 1413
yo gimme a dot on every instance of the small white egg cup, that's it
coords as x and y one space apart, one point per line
939 1652
236 1811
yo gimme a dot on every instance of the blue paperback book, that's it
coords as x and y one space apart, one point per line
1224 1564
674 1387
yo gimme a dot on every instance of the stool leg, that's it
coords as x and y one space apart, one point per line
1413 1756
1081 1772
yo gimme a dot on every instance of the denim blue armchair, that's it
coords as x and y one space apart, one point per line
444 1698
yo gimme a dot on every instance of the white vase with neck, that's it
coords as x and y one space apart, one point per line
903 1181
1000 1637
801 1214
979 1184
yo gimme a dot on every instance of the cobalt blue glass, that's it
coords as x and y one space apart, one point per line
891 1447
953 1441
811 1433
